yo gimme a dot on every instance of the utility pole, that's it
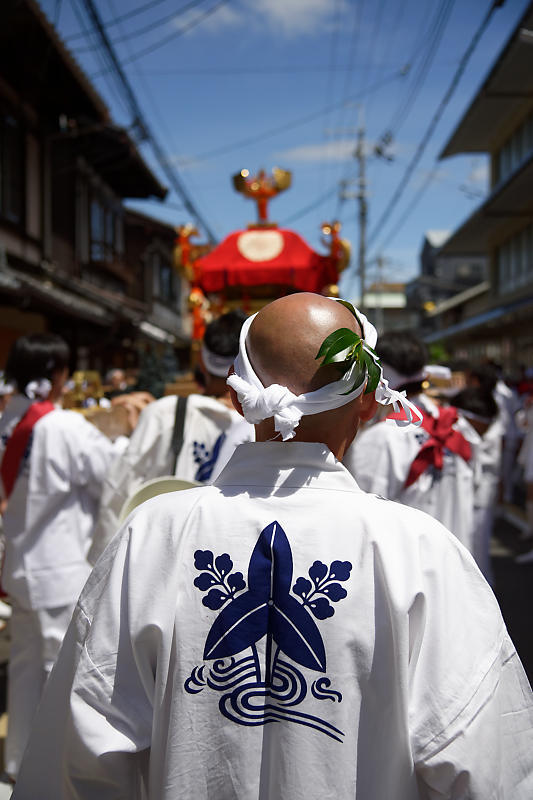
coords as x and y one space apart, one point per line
363 150
360 155
380 261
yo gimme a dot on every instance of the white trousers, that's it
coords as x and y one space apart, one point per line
36 638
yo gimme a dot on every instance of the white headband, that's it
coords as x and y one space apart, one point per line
396 379
259 402
5 388
216 365
38 390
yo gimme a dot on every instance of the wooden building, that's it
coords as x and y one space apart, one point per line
71 257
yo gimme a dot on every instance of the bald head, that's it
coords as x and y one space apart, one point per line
286 335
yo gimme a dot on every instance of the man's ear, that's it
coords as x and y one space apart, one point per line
233 395
368 406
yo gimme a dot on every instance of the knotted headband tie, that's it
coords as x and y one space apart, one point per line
259 402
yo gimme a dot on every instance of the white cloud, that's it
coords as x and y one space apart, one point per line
286 17
479 174
294 17
184 161
340 150
223 17
436 175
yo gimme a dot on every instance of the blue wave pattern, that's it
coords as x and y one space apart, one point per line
255 693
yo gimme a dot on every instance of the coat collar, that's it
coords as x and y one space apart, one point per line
285 465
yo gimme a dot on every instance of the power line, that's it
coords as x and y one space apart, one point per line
330 80
434 120
267 70
357 18
140 121
430 177
287 126
433 41
311 207
127 37
372 43
57 12
117 20
166 39
395 26
101 56
161 121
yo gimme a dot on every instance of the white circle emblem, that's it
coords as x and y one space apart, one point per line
260 245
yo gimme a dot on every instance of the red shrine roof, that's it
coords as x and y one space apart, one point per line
260 256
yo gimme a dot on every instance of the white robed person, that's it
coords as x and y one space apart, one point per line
447 467
53 463
280 633
191 438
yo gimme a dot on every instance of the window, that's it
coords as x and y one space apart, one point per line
11 169
106 237
165 281
515 261
517 147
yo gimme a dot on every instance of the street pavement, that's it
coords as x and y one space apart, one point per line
513 587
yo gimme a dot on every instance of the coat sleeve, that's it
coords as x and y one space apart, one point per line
148 455
90 455
470 704
92 733
486 752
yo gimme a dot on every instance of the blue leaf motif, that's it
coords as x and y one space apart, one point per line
203 559
215 599
295 631
318 572
224 564
204 581
268 607
240 625
302 587
335 592
321 608
236 582
340 570
270 565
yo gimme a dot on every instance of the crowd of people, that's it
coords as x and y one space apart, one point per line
299 495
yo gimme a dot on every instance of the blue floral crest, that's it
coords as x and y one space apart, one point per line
265 607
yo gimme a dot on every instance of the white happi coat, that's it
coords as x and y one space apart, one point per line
281 634
208 422
52 509
381 456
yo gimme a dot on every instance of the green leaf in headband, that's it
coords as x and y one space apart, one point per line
344 347
339 346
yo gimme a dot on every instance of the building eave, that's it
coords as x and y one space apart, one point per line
34 59
141 220
506 91
459 299
509 206
116 158
491 319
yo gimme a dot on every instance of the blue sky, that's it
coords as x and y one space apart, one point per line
245 68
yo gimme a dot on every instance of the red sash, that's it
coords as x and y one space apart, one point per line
18 442
441 435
